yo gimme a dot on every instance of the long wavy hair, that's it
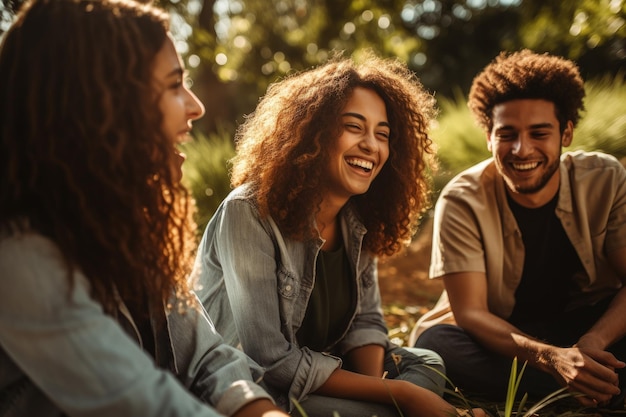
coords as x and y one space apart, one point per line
82 156
282 149
528 75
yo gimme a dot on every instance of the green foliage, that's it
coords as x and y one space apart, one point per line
206 174
511 391
513 387
588 31
603 127
460 142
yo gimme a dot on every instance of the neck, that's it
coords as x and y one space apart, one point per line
327 220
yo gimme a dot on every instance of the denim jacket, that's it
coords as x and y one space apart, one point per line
256 283
61 355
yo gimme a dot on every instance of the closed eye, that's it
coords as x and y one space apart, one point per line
383 134
505 134
353 127
540 134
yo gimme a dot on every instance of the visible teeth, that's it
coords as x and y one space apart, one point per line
360 163
526 166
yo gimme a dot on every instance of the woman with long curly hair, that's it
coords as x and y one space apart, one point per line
96 241
331 172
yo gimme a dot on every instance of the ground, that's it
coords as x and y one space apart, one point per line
406 291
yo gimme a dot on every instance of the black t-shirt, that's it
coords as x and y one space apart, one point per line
332 302
550 264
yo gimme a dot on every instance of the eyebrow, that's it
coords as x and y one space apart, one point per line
176 71
361 117
535 126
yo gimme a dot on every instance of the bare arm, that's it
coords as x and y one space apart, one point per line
467 292
611 327
367 360
414 401
593 375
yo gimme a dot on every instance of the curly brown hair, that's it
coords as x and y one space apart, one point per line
282 148
82 155
528 75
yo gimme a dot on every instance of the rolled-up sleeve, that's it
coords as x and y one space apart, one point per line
214 371
368 326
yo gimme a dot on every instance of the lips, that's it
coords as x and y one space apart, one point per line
525 166
363 164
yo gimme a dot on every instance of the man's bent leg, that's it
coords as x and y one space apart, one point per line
475 370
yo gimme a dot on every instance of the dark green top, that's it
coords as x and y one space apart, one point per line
332 302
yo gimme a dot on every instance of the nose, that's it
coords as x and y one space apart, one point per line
522 146
195 108
368 142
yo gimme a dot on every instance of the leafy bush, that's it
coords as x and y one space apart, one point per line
206 173
460 143
603 126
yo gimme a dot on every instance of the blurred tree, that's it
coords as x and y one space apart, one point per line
253 42
459 38
235 48
591 32
247 44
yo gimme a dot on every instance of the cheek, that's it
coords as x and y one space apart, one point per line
171 109
384 153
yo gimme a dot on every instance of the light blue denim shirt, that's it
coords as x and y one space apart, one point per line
60 354
244 261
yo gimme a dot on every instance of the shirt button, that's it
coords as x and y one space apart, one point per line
288 287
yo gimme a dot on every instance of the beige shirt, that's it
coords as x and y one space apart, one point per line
475 230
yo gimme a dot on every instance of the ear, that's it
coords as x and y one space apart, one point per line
489 145
568 134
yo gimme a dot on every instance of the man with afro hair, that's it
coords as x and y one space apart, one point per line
531 245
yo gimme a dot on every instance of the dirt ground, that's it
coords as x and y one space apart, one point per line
406 291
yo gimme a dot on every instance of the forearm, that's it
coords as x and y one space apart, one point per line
411 399
350 385
501 337
367 360
610 328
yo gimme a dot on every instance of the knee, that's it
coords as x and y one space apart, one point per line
438 337
428 356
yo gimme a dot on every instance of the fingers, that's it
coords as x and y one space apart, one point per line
591 373
604 358
593 396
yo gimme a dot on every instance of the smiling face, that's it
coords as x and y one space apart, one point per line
362 148
178 105
526 145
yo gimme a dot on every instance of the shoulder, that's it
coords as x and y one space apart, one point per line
239 215
34 272
243 195
590 160
472 183
28 250
592 167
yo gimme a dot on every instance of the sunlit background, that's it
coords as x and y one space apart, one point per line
235 48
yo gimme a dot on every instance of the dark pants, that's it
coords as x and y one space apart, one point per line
476 370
